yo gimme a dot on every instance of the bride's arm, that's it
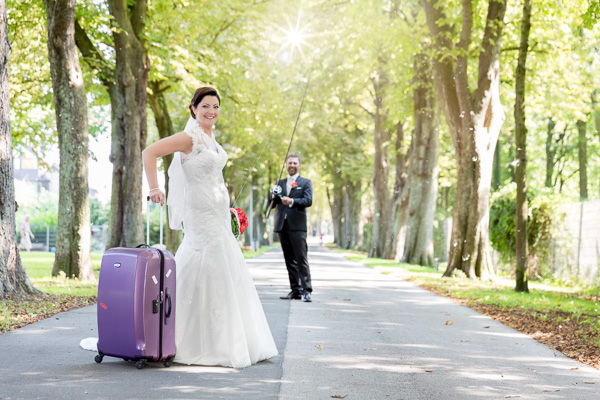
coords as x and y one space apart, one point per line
178 142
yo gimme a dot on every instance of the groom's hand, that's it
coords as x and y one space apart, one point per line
286 200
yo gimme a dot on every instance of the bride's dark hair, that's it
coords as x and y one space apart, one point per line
199 94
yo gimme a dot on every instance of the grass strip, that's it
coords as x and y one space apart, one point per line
59 294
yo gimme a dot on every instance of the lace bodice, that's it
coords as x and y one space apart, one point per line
206 210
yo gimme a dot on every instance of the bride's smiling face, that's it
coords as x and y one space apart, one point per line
207 111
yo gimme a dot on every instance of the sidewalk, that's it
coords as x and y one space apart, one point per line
365 336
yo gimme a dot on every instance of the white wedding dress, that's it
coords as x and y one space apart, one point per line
219 319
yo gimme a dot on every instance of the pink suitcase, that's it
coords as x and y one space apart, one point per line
136 305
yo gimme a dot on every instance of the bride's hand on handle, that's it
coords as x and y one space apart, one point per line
157 196
178 142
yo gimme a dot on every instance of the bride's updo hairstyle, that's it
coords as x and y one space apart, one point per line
199 94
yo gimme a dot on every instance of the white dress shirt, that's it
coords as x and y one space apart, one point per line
288 185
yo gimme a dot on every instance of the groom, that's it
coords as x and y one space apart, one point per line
292 196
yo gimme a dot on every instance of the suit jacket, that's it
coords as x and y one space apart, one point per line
296 214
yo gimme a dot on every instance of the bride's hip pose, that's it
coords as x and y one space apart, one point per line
219 319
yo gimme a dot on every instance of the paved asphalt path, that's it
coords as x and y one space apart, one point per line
365 336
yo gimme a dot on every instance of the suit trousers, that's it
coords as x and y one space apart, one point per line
295 252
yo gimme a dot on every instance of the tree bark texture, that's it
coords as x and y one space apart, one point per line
13 278
582 146
399 202
390 209
350 234
521 207
474 120
497 168
335 199
596 113
129 130
423 170
73 232
550 152
381 171
158 103
344 198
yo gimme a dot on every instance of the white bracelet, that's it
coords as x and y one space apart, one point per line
152 190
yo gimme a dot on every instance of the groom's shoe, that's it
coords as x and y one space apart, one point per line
292 295
306 297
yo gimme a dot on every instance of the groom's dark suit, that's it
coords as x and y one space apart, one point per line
290 223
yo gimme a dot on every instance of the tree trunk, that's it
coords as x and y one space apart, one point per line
550 153
129 130
158 103
423 171
521 206
474 120
381 137
399 201
390 210
13 278
73 233
351 206
583 178
497 168
596 113
334 198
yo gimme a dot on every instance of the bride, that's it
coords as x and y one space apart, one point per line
219 319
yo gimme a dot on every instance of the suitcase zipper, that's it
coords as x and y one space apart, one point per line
162 288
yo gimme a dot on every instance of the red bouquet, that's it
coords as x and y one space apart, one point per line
239 221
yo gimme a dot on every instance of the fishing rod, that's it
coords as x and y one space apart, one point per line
277 189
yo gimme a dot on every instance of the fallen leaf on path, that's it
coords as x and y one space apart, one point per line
512 396
372 348
319 347
448 322
428 370
347 299
574 368
487 327
338 396
552 390
590 383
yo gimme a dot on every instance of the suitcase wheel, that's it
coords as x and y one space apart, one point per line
168 362
99 358
141 364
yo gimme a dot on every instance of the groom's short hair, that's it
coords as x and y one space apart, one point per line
295 156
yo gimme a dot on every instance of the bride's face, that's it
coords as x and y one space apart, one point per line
207 111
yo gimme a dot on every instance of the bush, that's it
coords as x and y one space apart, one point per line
99 212
543 214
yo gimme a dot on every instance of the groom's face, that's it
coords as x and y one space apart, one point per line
293 165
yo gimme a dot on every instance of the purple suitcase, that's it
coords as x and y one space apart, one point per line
136 305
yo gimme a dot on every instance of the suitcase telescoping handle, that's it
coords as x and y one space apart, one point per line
148 222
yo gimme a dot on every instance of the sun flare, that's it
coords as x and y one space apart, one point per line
294 38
